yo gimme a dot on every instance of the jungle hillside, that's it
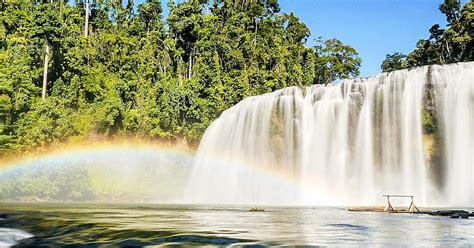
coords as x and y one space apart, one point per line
100 69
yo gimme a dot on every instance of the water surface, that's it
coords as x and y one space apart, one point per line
94 225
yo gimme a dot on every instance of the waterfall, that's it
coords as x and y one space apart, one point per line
405 132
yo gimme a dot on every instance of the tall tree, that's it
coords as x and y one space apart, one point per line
335 60
185 20
46 28
394 61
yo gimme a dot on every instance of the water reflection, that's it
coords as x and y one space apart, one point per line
199 225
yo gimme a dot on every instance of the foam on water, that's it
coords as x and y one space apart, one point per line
10 237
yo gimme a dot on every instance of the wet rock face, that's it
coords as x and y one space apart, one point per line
432 132
430 106
430 93
434 158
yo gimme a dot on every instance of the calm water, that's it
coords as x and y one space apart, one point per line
216 225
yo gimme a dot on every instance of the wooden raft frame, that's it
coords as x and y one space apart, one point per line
412 208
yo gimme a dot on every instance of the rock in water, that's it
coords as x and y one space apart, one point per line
464 216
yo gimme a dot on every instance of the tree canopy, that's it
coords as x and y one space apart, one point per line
118 69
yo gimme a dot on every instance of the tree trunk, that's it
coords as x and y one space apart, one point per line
86 22
328 81
190 65
256 30
45 71
447 48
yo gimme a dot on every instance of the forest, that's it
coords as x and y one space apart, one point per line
100 69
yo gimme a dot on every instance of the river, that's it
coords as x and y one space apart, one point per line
145 225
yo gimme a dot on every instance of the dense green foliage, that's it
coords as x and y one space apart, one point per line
450 45
136 74
57 183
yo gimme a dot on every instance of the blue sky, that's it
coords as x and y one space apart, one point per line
373 27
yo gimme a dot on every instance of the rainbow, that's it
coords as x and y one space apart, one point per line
137 150
73 152
78 151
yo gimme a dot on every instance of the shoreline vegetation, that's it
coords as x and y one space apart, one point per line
106 69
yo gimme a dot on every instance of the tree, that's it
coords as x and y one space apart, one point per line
452 10
46 27
184 20
149 13
394 61
335 60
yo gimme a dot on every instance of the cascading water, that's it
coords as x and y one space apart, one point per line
406 132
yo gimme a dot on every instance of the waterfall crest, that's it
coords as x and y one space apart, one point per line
405 132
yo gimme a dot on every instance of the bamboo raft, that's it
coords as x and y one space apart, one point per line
390 209
381 209
412 209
